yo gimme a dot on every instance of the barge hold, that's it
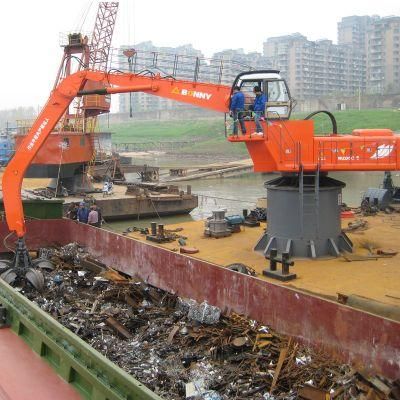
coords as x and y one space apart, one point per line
352 335
178 346
172 343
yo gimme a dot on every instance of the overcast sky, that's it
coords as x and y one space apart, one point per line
29 31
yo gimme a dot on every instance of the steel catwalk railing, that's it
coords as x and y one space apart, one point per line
186 67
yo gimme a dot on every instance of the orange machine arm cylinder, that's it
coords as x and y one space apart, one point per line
214 97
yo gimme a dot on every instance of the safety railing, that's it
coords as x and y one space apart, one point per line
178 66
24 125
150 145
73 38
289 149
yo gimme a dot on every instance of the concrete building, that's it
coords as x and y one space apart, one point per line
352 30
316 68
365 60
379 40
383 55
235 61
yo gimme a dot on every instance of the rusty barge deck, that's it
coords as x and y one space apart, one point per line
376 279
121 206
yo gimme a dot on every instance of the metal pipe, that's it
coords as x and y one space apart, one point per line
153 227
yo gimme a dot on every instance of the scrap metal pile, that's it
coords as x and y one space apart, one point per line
185 350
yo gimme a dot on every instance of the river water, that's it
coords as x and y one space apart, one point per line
237 193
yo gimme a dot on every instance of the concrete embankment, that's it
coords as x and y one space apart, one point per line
210 171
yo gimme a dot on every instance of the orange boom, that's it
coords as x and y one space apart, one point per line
286 145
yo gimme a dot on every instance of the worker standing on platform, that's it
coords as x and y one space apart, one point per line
236 110
259 108
110 187
83 213
72 212
93 217
105 189
99 217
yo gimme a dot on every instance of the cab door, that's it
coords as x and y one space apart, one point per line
278 99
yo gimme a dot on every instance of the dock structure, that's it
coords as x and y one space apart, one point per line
189 173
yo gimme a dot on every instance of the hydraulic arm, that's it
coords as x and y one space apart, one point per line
284 146
215 97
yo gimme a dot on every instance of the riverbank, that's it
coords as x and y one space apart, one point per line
206 137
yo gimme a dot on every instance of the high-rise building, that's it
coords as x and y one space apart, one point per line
231 62
354 70
316 68
379 39
352 30
383 55
290 55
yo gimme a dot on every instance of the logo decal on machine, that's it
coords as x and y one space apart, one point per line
37 134
382 151
192 93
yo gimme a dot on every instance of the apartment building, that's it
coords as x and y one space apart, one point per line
316 68
234 61
352 30
379 39
365 60
383 55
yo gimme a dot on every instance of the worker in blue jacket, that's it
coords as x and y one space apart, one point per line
83 213
237 109
259 108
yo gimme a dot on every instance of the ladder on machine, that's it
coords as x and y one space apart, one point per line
309 202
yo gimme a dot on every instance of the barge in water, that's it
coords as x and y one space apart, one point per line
352 335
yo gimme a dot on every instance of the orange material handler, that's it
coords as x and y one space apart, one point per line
285 146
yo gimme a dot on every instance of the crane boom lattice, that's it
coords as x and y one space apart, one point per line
102 35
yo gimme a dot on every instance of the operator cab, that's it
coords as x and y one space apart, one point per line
279 102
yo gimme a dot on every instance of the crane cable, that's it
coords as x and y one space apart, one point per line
84 15
131 15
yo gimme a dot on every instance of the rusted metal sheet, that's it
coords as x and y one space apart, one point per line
313 393
352 335
39 233
118 327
